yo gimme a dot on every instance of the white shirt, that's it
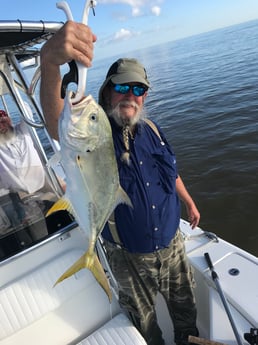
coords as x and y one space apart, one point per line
20 166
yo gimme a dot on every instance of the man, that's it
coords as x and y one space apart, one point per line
21 171
19 160
144 246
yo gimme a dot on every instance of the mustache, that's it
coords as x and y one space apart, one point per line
129 104
7 137
117 115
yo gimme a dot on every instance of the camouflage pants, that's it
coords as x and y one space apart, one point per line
141 276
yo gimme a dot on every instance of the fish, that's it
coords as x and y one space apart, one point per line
93 189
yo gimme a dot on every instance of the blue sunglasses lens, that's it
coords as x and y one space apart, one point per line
136 89
122 88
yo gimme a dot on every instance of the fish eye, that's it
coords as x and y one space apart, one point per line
93 117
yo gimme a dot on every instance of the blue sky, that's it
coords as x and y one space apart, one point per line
126 25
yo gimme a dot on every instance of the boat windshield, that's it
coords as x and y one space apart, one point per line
29 185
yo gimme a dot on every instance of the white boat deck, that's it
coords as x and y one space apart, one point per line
34 312
237 271
77 311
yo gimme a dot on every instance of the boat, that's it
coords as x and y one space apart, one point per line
33 254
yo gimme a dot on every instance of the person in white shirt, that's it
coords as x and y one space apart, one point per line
21 169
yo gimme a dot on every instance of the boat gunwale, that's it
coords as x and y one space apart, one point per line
51 237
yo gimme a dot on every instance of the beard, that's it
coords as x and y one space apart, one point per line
122 120
8 136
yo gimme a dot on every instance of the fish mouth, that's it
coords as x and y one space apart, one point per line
77 134
83 142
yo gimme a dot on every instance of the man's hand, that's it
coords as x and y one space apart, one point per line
74 41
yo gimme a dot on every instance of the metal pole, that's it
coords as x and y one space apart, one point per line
215 278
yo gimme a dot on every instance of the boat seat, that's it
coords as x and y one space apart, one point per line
71 311
117 331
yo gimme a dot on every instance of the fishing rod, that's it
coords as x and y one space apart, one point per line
215 278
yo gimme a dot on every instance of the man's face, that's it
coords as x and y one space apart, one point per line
125 108
5 124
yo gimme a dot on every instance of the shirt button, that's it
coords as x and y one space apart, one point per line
153 207
157 247
147 184
156 229
141 162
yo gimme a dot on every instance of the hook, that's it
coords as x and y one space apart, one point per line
80 75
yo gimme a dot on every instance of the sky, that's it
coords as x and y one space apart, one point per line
126 25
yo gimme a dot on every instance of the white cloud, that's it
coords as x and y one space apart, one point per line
133 3
156 10
123 34
137 5
136 12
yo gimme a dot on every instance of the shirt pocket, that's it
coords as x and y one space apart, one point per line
167 170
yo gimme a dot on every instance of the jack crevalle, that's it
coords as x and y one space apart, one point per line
93 189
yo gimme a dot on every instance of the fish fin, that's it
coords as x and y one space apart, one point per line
82 164
77 266
61 204
123 198
99 273
90 261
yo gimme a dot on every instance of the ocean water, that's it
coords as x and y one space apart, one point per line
204 95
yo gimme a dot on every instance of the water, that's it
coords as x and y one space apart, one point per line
205 97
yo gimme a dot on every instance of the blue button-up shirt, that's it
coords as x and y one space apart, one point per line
149 180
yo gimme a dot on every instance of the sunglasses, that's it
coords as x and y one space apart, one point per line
137 90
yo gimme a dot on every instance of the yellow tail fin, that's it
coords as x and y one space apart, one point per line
61 204
90 261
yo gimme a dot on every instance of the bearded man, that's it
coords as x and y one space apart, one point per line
146 252
144 245
20 166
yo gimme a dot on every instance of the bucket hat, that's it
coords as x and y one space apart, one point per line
123 71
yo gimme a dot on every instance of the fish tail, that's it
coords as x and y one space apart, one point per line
90 261
99 273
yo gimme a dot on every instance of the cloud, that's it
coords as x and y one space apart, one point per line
123 34
156 10
138 6
136 12
132 3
